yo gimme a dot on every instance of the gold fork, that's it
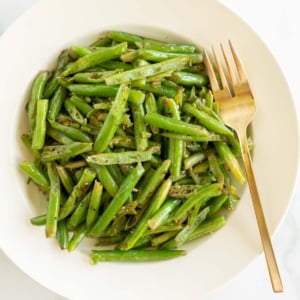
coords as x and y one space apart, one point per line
237 109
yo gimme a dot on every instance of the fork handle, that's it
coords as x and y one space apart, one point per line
260 218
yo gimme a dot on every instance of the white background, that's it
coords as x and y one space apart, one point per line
278 24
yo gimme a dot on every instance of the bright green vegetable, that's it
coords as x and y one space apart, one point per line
129 148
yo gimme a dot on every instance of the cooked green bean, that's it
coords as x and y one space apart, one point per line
74 113
94 205
58 136
62 234
112 120
189 79
54 200
176 63
199 196
80 212
102 90
73 133
106 179
158 176
162 214
65 178
39 131
77 237
64 151
140 228
56 103
230 161
119 199
77 193
174 125
39 220
207 121
176 147
207 227
36 174
94 58
37 93
53 84
127 157
134 255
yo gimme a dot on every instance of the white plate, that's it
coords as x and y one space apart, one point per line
32 44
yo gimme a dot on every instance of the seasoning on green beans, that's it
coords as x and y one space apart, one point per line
129 149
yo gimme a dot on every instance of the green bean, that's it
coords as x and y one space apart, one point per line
77 193
134 255
217 203
75 164
127 157
230 161
176 63
95 58
124 37
54 200
137 232
200 196
39 131
115 170
53 84
215 168
158 56
151 107
39 220
189 79
176 147
106 179
102 90
62 234
211 137
77 237
94 77
51 153
162 90
117 202
112 120
109 240
94 205
37 92
80 51
74 113
193 159
138 114
207 227
73 133
162 214
65 178
158 176
164 237
174 125
184 234
81 105
182 191
36 174
80 212
207 121
166 47
58 136
115 64
101 42
56 103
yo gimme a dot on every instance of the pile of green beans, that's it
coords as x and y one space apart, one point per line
129 149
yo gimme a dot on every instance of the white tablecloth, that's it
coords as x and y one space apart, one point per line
278 24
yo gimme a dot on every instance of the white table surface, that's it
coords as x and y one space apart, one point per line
278 24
